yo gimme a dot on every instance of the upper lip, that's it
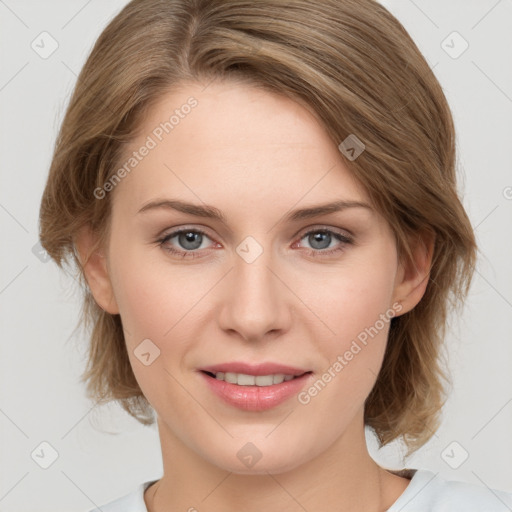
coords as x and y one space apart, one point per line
254 369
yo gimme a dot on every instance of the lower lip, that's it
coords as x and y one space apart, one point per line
256 398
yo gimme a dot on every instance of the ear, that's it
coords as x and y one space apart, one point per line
94 264
413 275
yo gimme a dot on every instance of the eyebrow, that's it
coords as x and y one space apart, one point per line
211 212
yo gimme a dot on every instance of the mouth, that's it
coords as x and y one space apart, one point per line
244 379
255 393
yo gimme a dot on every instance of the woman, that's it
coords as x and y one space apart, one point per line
261 199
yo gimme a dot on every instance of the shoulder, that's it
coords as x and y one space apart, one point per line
428 491
132 502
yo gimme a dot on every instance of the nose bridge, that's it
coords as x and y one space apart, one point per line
255 302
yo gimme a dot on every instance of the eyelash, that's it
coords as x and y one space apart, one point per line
345 240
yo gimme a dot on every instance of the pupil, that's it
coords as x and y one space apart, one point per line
318 238
190 238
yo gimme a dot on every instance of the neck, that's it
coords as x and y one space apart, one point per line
344 478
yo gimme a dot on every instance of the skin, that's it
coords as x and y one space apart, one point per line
255 156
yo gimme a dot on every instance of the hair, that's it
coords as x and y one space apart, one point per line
355 67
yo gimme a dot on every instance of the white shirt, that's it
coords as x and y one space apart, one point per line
427 492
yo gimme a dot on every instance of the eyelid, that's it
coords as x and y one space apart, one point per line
320 227
177 229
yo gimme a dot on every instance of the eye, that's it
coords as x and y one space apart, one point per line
320 240
190 239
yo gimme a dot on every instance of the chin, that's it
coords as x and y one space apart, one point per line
249 460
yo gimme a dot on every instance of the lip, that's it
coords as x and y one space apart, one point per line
254 369
256 398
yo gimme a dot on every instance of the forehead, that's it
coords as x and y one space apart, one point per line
235 139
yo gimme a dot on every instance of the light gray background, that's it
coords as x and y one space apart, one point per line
102 452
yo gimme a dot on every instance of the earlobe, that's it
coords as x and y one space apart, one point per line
413 275
94 264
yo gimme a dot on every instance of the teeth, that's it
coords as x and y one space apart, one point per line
250 380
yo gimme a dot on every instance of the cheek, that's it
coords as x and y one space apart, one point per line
158 298
143 291
152 307
352 297
143 302
354 303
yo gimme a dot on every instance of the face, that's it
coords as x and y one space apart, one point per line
260 285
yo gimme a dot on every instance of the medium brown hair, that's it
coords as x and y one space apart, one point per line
353 65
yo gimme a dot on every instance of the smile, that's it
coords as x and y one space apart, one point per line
254 393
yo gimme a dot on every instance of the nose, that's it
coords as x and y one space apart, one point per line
255 299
